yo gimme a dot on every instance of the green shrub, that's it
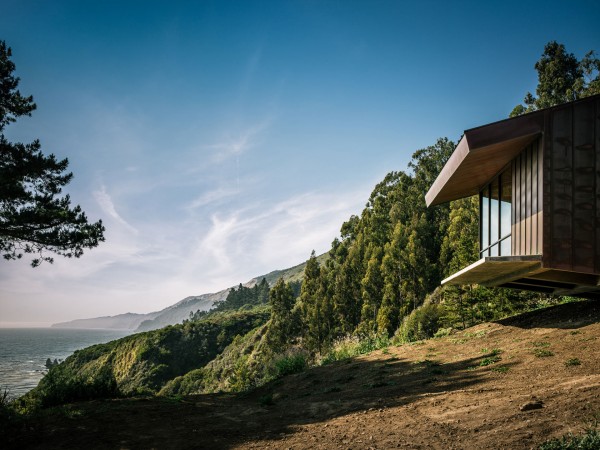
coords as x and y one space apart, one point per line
371 343
241 378
422 323
59 387
6 411
590 440
489 360
350 346
442 332
290 364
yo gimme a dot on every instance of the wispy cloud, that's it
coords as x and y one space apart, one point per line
255 239
107 205
173 257
213 196
235 145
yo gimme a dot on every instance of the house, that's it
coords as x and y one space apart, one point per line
538 181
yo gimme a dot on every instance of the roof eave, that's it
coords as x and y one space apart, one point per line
481 154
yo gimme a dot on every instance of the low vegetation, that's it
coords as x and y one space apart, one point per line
590 440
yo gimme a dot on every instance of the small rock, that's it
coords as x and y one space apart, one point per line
529 406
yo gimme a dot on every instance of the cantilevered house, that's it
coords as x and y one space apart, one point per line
538 181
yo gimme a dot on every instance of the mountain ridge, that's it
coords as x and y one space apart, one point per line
180 310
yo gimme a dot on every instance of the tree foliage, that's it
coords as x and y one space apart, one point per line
561 78
34 217
385 261
242 297
282 329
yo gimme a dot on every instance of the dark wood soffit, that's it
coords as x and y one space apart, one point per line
481 154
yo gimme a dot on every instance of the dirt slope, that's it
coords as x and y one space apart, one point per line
463 391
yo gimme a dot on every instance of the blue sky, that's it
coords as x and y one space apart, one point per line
222 140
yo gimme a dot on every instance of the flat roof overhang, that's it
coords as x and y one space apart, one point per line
484 151
526 273
481 154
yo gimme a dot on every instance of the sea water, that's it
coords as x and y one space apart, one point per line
24 351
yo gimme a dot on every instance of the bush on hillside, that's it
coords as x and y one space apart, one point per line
421 323
590 440
350 346
293 362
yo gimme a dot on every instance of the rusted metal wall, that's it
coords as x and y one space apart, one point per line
526 227
571 186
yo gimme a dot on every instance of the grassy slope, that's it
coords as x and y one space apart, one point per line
237 368
143 362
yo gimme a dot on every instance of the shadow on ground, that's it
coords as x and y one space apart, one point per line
225 420
565 316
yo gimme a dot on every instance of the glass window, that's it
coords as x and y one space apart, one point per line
494 213
495 208
505 203
505 249
485 219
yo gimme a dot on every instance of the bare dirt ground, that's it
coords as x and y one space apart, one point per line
472 389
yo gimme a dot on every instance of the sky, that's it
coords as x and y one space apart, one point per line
221 140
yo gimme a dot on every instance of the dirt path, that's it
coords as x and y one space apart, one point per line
463 391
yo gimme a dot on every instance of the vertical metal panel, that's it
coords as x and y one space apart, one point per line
547 191
534 198
539 196
562 189
523 200
584 206
529 214
571 187
597 184
527 217
513 215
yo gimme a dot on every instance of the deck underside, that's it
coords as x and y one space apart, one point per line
527 273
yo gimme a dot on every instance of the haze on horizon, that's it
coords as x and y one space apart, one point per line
223 140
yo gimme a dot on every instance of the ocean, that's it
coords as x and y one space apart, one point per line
23 352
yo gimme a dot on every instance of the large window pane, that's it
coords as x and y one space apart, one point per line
505 249
494 213
485 219
495 219
505 204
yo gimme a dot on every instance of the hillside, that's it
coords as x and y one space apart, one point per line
179 311
508 384
144 362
